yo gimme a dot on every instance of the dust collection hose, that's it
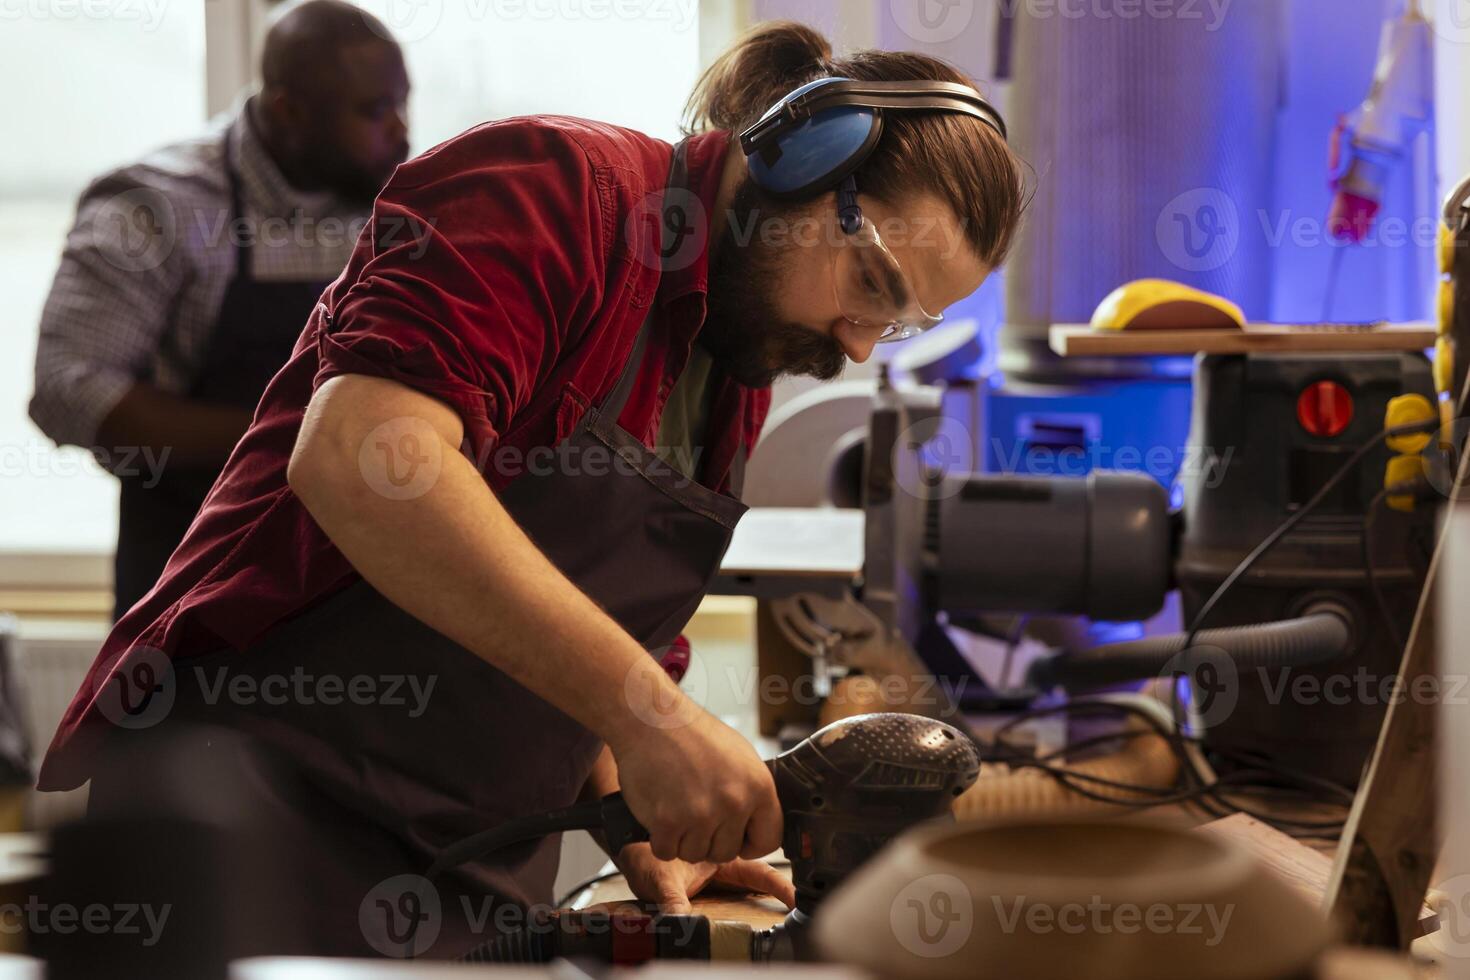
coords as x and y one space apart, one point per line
1323 634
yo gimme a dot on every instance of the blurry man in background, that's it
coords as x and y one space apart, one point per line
189 275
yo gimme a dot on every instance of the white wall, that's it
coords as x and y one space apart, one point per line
88 86
1452 88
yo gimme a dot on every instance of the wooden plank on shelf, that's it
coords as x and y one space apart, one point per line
58 603
1080 340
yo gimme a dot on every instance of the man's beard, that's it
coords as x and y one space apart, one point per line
355 185
742 329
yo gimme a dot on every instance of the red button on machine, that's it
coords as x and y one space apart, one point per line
1324 409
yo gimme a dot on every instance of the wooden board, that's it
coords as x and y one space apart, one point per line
316 968
1392 838
758 911
1303 867
1080 340
715 902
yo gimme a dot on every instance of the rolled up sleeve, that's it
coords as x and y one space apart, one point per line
485 260
109 304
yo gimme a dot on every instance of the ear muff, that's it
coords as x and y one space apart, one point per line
820 133
815 155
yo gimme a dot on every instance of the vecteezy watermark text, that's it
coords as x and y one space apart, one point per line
148 13
37 458
37 918
300 687
402 916
1363 687
1101 917
1159 462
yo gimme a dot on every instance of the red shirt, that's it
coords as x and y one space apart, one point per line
506 272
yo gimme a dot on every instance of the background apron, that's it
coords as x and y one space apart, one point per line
252 338
383 792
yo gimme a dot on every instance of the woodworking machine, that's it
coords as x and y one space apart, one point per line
945 548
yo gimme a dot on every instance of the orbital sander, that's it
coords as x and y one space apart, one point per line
845 792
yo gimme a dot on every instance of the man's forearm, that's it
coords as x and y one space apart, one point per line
190 432
454 558
603 779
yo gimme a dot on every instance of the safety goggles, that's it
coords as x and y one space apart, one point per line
872 289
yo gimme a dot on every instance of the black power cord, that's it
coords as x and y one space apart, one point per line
1207 792
1217 797
610 815
1282 529
1370 570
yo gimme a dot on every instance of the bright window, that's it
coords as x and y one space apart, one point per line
629 62
93 85
88 86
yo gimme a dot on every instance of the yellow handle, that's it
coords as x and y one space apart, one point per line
1405 410
1402 469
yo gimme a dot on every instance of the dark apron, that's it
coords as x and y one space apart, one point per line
252 338
388 790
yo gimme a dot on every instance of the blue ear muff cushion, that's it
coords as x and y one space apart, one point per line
816 155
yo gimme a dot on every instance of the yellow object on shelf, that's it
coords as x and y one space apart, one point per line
1404 410
1162 304
1446 306
1402 469
1446 248
1444 365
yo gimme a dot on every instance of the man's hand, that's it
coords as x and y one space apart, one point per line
673 883
699 788
181 431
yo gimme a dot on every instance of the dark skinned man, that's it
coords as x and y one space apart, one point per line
189 275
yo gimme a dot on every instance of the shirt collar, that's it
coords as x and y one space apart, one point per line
263 185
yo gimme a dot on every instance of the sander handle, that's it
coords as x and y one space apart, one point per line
619 827
609 815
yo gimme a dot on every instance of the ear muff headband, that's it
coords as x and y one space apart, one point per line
823 131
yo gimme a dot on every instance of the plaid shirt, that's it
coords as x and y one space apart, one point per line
146 264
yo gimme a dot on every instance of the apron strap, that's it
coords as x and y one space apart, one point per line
612 408
237 205
678 180
737 471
